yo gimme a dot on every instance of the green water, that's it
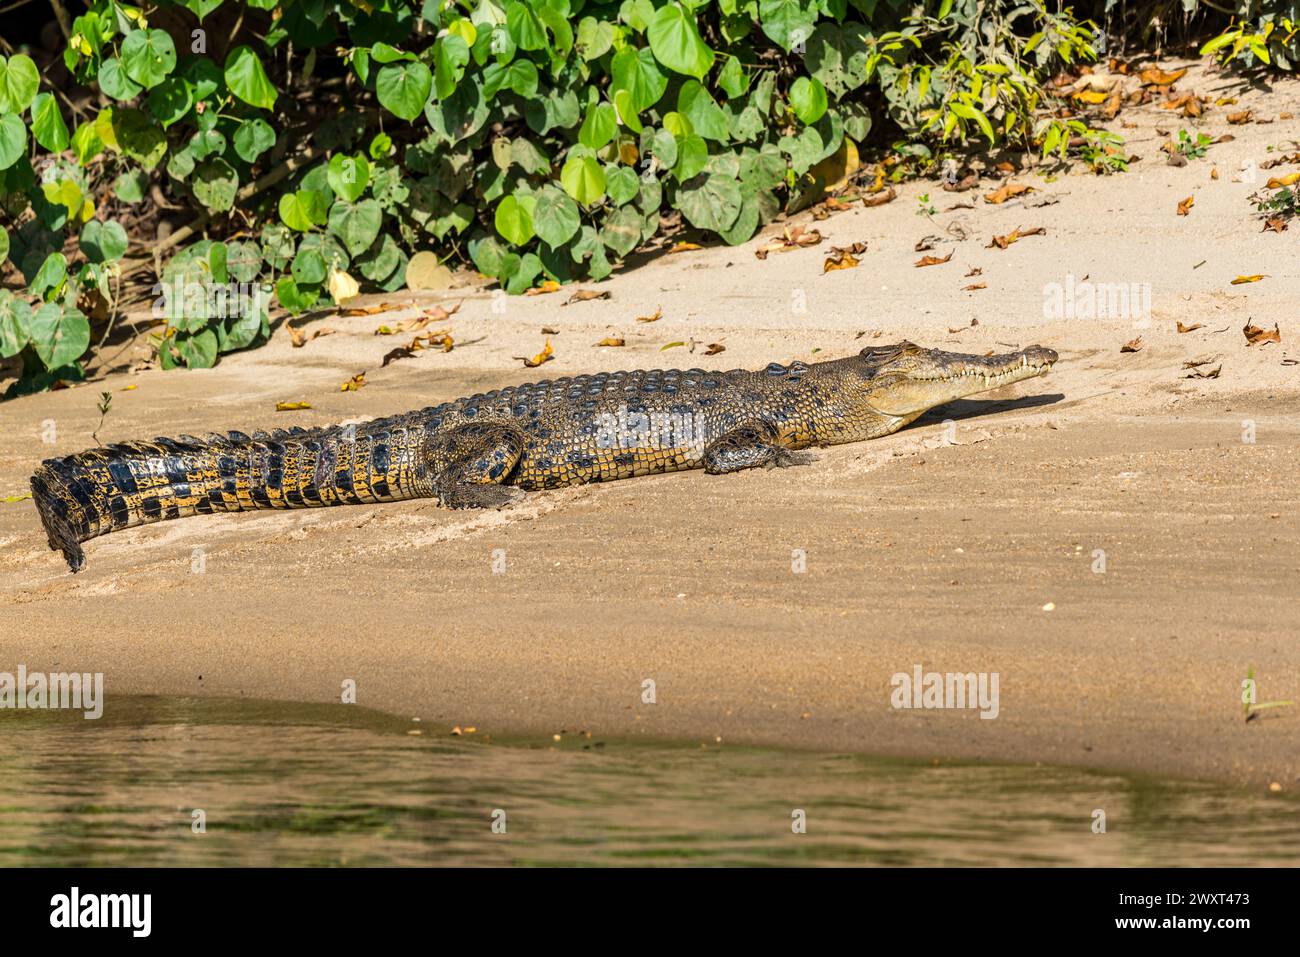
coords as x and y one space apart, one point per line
289 784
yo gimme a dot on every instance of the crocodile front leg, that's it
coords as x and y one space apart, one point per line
470 463
750 447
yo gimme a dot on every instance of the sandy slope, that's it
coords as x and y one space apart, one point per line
917 552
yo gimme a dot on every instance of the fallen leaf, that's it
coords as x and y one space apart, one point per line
1005 168
671 345
932 260
440 313
296 336
1277 224
1002 242
1092 97
545 288
610 341
548 331
1154 76
342 286
881 199
401 352
974 286
925 244
1192 328
291 406
17 498
1006 192
1255 336
1206 374
839 259
1237 119
544 356
587 295
969 181
1225 101
1277 182
975 271
353 384
714 348
1214 172
1133 345
129 388
684 247
1186 205
1242 280
793 237
658 314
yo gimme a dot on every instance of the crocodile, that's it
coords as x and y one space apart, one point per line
489 449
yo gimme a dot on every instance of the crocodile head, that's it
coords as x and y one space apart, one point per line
905 380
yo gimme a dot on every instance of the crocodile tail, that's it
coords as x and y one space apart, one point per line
106 489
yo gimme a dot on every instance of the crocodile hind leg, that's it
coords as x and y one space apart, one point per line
471 462
750 447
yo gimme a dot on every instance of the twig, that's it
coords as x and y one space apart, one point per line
61 14
263 182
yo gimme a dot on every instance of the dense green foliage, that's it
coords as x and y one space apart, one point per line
324 142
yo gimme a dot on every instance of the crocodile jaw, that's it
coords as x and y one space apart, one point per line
936 377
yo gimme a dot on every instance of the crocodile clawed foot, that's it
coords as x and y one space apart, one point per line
786 458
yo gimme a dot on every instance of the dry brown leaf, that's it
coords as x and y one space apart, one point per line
974 286
611 341
440 313
969 181
1133 345
291 406
793 237
1192 328
545 288
1154 76
1277 224
548 331
975 271
880 199
1237 119
1214 172
714 348
544 356
296 336
587 295
1206 374
353 384
1004 193
401 352
1255 336
1186 205
658 314
1002 242
932 260
839 259
1242 280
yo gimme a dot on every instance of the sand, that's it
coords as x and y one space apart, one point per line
982 554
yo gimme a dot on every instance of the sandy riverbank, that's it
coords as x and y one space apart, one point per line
917 552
